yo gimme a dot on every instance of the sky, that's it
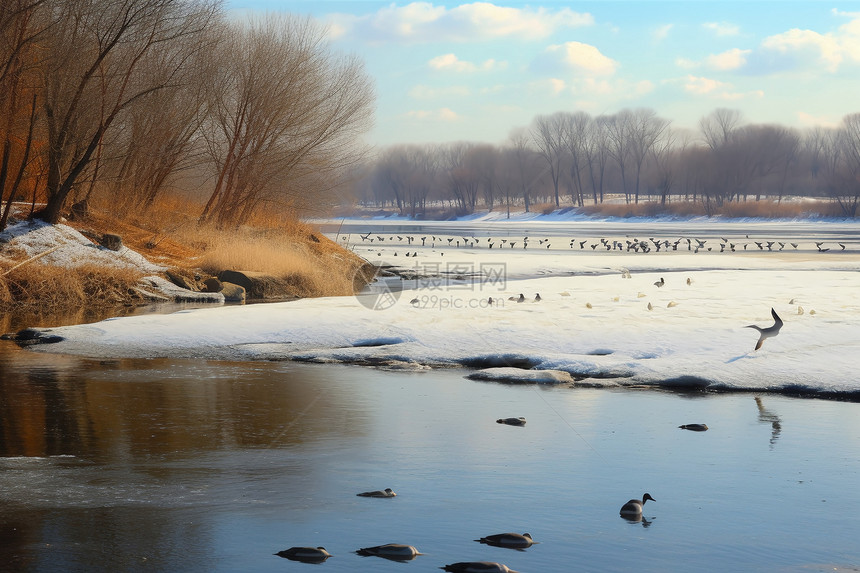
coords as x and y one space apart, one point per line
457 71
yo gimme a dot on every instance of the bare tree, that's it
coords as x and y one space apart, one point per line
159 137
548 135
22 23
846 178
596 151
90 76
285 120
575 133
524 157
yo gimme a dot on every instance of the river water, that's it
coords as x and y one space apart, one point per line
192 465
173 465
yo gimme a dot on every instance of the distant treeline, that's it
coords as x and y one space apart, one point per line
574 159
126 100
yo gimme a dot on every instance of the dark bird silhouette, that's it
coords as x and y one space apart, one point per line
770 331
392 551
512 540
387 492
305 554
512 421
694 427
477 567
634 506
659 283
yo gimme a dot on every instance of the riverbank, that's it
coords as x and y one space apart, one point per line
98 262
601 318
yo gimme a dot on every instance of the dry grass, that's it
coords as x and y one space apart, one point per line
305 262
310 268
38 286
765 208
272 243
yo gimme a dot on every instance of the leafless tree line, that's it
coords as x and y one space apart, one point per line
124 98
572 158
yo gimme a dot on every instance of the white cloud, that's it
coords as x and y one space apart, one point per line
441 114
576 57
722 28
427 92
809 120
686 63
807 49
662 32
453 63
807 46
556 85
728 60
475 22
716 89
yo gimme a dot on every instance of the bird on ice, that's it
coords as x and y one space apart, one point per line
659 283
770 331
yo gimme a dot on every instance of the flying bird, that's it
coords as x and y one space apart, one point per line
770 331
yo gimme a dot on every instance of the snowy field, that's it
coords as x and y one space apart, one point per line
601 319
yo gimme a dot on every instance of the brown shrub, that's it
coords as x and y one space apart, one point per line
38 286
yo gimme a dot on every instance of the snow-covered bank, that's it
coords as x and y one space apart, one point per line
597 327
601 318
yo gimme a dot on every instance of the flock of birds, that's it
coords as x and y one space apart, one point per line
628 244
631 510
764 332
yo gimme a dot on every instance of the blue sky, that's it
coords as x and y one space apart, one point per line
458 71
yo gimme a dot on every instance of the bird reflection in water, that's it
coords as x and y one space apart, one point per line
765 416
638 519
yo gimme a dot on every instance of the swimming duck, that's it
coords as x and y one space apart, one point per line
634 506
387 492
659 283
305 554
394 551
694 427
477 567
512 421
513 540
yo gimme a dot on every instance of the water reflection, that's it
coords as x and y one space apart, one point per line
637 519
125 409
143 450
765 416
